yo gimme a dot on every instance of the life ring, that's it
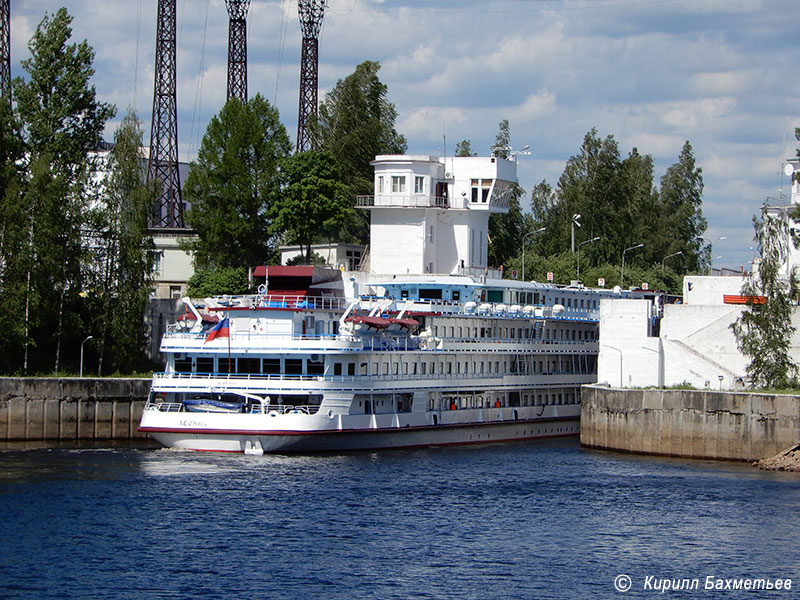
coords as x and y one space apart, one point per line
262 289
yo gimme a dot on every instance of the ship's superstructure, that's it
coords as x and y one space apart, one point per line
426 345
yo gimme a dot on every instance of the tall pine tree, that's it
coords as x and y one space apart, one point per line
61 122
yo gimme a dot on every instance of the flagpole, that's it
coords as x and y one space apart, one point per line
229 342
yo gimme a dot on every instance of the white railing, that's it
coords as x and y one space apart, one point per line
406 201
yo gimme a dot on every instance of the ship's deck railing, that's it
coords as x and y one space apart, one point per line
256 408
202 379
294 301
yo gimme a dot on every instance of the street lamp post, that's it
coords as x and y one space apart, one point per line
680 252
524 237
622 277
576 220
719 239
594 239
82 343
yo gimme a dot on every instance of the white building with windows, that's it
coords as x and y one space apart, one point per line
431 215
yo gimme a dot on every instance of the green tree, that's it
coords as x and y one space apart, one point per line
230 281
464 148
13 238
356 123
681 201
125 277
763 331
506 231
61 122
233 183
312 201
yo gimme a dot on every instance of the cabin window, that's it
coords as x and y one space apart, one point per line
272 366
183 364
398 184
380 184
386 368
351 369
419 185
315 367
474 196
430 294
337 369
486 186
293 366
248 365
456 295
375 370
205 364
424 368
364 368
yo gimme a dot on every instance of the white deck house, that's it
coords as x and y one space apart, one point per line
431 215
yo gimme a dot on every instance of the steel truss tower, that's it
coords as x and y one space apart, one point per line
5 48
163 163
311 13
237 49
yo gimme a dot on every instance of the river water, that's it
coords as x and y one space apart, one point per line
525 520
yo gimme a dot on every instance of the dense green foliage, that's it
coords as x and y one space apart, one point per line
229 281
233 184
47 180
312 203
506 230
763 331
356 123
123 254
618 202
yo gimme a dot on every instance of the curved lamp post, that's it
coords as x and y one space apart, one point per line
680 252
622 277
594 239
524 237
82 343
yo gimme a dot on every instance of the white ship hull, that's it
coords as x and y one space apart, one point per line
313 433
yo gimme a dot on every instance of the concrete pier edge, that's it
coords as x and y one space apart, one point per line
700 424
71 408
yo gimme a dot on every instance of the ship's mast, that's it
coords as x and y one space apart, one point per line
311 13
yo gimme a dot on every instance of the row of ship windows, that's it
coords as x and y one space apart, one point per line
518 365
526 333
520 297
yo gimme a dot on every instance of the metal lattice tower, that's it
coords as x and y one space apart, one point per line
311 13
163 163
5 48
237 49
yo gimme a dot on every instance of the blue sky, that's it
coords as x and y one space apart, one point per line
652 73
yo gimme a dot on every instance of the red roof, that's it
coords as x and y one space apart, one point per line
737 299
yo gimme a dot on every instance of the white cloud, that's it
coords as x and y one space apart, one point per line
720 74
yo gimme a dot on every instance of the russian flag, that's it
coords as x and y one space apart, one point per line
221 329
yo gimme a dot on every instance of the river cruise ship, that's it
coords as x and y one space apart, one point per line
422 345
